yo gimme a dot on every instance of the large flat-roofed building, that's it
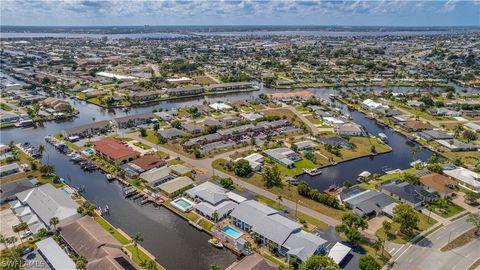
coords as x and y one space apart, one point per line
114 151
88 129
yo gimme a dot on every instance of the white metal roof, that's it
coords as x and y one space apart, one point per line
338 252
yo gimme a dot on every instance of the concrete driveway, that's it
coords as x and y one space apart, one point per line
7 220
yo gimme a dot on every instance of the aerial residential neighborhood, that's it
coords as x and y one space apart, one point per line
146 135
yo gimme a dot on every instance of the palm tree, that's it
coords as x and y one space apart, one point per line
457 130
151 265
377 245
136 239
12 240
214 266
3 240
413 150
41 149
81 262
54 222
20 227
215 216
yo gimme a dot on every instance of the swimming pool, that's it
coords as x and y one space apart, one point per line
231 232
64 190
182 204
88 151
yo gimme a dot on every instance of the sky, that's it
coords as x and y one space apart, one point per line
243 12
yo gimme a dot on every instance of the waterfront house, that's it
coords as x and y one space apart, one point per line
85 237
9 169
229 86
253 262
434 182
8 117
185 91
218 106
56 104
472 126
305 145
130 121
371 105
87 130
251 116
349 129
165 116
335 142
434 135
273 229
176 186
157 176
211 199
366 202
143 164
38 205
282 155
115 151
8 190
465 177
145 96
405 192
171 133
414 125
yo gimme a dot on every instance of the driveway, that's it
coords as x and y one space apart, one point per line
7 220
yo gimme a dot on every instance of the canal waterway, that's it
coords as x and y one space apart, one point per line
174 243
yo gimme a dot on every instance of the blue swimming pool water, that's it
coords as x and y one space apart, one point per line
183 203
232 232
89 151
65 191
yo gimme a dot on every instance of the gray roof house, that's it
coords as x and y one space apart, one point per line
87 129
134 120
283 155
9 169
412 195
157 176
43 203
434 135
171 133
8 190
368 203
269 225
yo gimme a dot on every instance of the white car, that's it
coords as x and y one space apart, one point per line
26 234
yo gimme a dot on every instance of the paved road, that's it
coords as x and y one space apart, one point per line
206 163
426 253
307 122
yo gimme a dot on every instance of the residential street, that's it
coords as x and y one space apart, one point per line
426 253
206 163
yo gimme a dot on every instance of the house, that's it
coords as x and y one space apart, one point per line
87 130
339 252
466 178
434 135
56 104
130 121
211 199
143 164
165 116
179 80
186 91
333 121
8 117
415 103
216 146
176 185
335 142
367 202
371 105
445 111
180 169
191 128
255 161
236 131
253 262
220 106
305 145
251 116
434 182
350 129
9 169
8 190
145 96
455 145
53 255
211 122
85 237
282 155
405 192
414 125
115 151
171 133
287 236
229 86
472 126
4 149
157 176
38 205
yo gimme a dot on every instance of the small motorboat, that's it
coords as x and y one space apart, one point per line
110 177
215 242
313 172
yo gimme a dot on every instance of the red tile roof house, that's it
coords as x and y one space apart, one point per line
145 163
114 151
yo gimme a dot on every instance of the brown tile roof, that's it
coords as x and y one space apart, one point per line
302 94
417 125
113 148
438 182
148 162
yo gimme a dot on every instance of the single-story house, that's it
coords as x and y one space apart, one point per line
171 133
9 169
8 117
405 192
367 202
414 125
53 255
220 106
143 164
305 145
472 126
255 161
455 145
335 142
251 116
465 177
134 120
434 135
350 129
192 128
8 190
157 176
180 169
282 155
176 185
434 182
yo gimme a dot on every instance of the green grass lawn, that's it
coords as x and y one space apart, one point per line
298 169
450 211
270 202
315 222
398 237
138 256
207 225
5 107
142 145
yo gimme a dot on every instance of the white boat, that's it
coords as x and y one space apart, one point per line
24 123
312 172
215 242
